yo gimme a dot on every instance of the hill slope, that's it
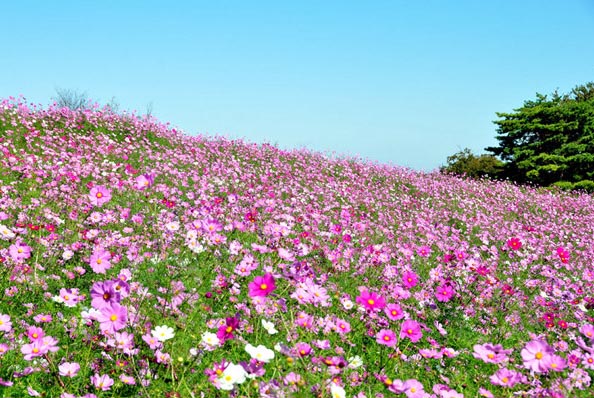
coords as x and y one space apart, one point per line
141 261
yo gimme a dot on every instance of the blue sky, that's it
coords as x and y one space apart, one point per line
401 82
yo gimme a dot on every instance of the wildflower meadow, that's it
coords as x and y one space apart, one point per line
137 260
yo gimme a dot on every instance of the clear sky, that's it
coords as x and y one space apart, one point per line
401 82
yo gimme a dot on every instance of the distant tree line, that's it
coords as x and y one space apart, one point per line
548 141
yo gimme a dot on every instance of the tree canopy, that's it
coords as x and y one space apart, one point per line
470 165
549 140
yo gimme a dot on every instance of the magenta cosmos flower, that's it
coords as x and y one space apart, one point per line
386 337
535 355
394 312
444 292
371 301
410 279
412 330
514 243
262 286
99 195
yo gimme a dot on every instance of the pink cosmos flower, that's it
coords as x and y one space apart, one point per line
342 326
19 251
302 349
153 343
262 286
424 251
33 350
506 378
99 195
371 301
99 260
102 382
144 181
412 330
444 292
69 369
127 379
35 333
386 337
535 355
410 279
112 317
555 363
394 311
413 389
5 323
70 297
588 331
490 353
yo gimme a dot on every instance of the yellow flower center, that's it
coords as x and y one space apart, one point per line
263 286
35 350
35 335
413 390
99 195
229 329
409 331
505 380
99 261
490 356
113 317
386 338
370 302
538 355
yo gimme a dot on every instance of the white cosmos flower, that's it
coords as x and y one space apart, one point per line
260 353
163 333
337 391
233 374
210 340
6 233
355 362
269 326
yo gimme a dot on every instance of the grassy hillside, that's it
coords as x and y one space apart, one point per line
139 261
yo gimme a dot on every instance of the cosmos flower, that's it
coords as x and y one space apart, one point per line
260 353
99 195
412 330
371 301
19 251
261 286
99 260
535 355
69 369
163 333
112 317
102 382
386 337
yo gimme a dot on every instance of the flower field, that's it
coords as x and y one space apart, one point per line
139 261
